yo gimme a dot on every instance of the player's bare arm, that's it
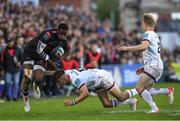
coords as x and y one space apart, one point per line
144 44
84 93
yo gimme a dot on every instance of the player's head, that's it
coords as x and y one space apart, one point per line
62 31
61 78
148 22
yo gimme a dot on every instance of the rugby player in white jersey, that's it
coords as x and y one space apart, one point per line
152 68
96 79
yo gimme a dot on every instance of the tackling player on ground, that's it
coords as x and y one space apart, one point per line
152 68
93 79
36 53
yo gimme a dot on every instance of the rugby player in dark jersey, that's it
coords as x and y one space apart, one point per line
36 53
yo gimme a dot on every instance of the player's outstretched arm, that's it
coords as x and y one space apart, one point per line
140 47
84 93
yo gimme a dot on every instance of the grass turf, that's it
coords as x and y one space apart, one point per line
91 109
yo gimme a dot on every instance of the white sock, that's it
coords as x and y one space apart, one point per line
148 98
116 102
132 92
156 91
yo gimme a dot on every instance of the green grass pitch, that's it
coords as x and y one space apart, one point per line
91 109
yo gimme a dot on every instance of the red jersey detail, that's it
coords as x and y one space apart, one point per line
94 57
69 64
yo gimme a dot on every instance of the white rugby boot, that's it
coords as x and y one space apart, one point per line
26 103
36 91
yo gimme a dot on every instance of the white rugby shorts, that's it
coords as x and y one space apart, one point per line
154 73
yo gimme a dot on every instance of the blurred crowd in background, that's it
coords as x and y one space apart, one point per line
92 41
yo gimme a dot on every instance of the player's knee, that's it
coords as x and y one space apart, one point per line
27 74
26 79
139 89
107 105
38 75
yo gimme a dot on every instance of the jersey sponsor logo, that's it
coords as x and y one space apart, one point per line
77 82
40 47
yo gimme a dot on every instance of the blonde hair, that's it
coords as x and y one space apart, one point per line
149 20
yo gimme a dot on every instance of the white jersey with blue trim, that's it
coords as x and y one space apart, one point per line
151 56
92 78
87 77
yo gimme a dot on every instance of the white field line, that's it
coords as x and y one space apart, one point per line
176 111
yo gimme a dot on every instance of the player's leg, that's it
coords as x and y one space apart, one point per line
146 82
106 102
141 85
104 98
158 91
121 98
27 77
109 84
165 91
38 73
